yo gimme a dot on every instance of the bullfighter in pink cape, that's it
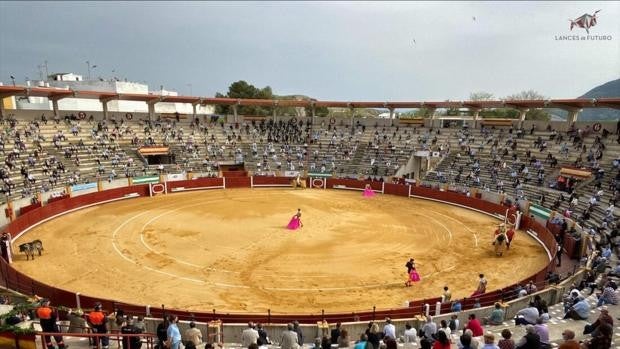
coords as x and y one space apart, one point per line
368 192
295 222
413 277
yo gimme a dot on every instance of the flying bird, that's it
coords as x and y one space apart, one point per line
474 18
414 41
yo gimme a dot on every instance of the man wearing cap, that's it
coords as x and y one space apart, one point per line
47 317
97 321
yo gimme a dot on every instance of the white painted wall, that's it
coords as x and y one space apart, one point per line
81 104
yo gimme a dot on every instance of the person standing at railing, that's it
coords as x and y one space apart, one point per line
174 335
48 317
77 324
128 327
289 338
97 321
5 246
192 336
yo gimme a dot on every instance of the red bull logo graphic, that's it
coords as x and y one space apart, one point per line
586 21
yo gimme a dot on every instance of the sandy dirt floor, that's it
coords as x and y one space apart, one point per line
229 250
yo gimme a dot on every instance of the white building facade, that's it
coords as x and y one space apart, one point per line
75 82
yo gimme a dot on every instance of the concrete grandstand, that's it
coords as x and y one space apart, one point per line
563 177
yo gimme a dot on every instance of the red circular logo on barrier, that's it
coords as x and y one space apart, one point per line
318 180
158 188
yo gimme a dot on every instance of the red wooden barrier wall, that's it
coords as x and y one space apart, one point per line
15 280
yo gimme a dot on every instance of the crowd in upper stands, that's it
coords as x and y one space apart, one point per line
40 156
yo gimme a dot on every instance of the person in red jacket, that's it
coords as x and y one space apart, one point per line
474 325
47 317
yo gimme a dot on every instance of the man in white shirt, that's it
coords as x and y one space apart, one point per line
389 330
444 327
249 335
410 334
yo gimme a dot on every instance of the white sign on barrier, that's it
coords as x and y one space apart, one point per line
291 173
175 177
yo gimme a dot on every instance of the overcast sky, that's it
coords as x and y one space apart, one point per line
330 51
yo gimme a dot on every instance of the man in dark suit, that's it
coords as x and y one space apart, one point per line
335 334
410 265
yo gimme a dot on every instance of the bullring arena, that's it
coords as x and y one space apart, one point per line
233 246
206 239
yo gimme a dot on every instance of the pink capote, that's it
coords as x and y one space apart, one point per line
294 224
414 276
368 192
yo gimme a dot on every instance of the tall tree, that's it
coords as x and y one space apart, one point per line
318 111
529 95
532 114
423 113
480 96
241 89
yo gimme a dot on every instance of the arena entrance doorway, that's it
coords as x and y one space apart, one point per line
160 155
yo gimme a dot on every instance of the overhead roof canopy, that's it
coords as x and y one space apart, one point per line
138 97
49 92
59 93
8 91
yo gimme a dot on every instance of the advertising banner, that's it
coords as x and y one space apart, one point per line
146 179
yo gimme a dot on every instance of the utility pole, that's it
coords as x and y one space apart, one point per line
89 67
40 67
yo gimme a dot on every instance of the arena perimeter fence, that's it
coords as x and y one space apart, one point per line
15 280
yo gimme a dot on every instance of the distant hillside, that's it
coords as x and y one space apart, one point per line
609 89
